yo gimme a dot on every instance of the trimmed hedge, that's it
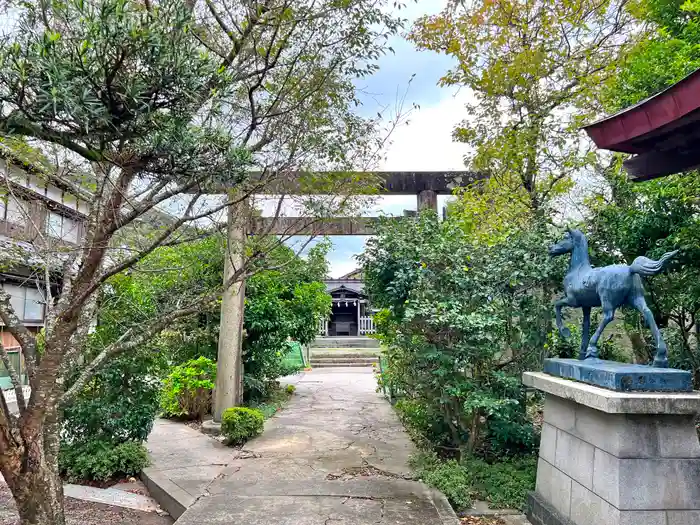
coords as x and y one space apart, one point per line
239 424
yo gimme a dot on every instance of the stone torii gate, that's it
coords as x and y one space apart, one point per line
425 185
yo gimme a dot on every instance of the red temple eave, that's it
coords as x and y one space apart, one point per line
663 131
621 132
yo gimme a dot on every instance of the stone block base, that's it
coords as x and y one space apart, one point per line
613 458
540 512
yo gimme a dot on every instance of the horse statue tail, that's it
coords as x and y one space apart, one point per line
645 266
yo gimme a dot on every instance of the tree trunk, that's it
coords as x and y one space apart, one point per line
34 480
474 433
38 495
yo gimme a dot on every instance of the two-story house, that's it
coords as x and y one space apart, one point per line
40 217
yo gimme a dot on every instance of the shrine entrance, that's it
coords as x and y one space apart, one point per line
351 311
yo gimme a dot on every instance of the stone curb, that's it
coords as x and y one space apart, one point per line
111 496
443 507
168 495
515 519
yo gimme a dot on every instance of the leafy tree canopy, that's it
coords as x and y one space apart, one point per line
670 51
530 67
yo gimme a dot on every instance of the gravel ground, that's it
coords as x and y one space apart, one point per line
85 513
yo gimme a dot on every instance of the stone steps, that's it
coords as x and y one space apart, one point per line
329 362
344 353
344 342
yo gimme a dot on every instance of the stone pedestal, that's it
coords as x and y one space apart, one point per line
615 458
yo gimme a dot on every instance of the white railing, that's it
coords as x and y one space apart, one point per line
323 327
367 326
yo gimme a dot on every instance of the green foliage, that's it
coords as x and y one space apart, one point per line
275 399
453 480
239 424
120 403
426 426
502 484
96 460
461 319
187 391
665 54
533 68
280 305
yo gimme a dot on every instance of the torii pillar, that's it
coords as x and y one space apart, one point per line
229 374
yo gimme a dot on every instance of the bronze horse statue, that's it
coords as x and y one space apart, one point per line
610 287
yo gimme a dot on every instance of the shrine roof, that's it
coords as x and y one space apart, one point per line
649 123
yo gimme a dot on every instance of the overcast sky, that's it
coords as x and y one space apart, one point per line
425 143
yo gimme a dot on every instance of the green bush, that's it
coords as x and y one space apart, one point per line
426 427
291 389
460 320
119 404
453 480
187 392
502 484
101 461
121 401
239 424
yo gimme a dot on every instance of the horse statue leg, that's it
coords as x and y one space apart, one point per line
585 332
661 358
608 316
563 330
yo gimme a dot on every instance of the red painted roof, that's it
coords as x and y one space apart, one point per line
626 130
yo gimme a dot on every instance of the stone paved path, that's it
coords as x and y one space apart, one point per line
336 455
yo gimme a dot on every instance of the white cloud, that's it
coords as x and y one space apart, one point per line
425 143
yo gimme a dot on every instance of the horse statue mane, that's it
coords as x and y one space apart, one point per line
609 287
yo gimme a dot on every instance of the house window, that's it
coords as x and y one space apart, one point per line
14 210
62 227
27 302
